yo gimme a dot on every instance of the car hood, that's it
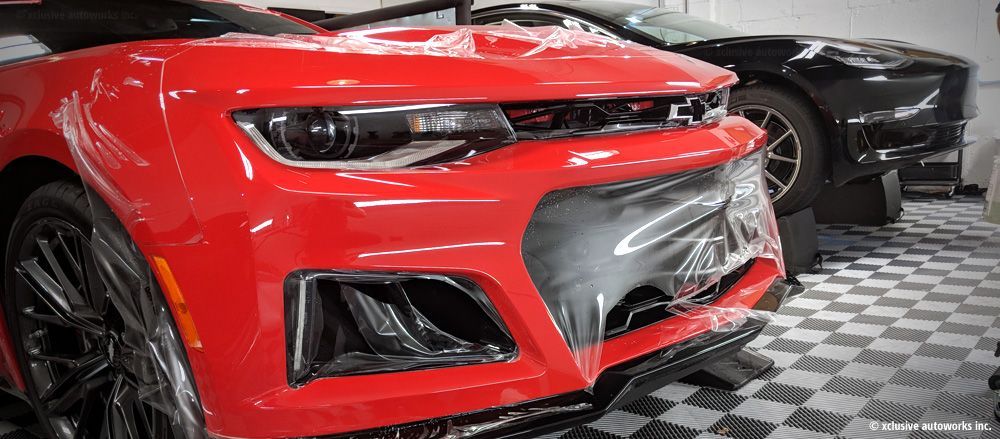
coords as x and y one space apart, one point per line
467 64
912 50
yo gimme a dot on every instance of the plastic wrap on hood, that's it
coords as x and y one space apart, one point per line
460 43
647 250
140 325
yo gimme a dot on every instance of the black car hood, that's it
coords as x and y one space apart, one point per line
900 47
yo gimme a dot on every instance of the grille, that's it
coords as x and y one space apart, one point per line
547 120
636 244
647 305
935 136
945 136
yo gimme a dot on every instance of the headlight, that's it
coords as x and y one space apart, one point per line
867 57
375 137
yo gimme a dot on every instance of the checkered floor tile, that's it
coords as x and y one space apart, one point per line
899 326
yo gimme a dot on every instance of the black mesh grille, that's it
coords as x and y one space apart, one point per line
647 305
543 120
587 248
935 136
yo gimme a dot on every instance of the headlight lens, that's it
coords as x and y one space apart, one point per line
375 137
866 57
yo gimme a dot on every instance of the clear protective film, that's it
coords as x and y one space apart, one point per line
459 43
613 258
146 355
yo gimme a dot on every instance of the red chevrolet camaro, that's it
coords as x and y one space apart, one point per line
221 222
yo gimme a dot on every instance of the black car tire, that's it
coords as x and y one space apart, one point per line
53 228
801 114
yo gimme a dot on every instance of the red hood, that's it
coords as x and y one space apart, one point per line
404 65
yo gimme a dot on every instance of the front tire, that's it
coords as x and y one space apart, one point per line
797 150
93 357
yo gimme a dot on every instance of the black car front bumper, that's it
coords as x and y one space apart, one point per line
614 388
890 119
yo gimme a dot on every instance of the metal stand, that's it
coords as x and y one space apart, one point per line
946 177
732 372
873 203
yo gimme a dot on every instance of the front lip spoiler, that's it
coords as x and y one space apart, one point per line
614 388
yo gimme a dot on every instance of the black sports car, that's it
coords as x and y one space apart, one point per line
835 109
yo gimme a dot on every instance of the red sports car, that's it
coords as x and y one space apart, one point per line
219 221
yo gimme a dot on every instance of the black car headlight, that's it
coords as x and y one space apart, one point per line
867 57
375 138
350 323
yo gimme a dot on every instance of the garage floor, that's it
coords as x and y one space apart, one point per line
900 326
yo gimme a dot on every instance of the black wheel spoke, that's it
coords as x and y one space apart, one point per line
90 373
51 293
30 313
43 284
69 290
55 358
88 416
121 411
74 386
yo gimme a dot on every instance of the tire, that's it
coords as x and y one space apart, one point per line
805 143
73 344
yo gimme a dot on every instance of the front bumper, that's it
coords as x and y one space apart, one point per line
890 119
613 389
262 221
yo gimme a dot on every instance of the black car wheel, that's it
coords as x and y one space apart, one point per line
797 152
89 372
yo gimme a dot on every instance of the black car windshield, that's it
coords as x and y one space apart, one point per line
54 26
673 27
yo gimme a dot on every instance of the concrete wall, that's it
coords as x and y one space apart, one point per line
966 27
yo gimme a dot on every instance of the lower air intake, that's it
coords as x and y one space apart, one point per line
339 324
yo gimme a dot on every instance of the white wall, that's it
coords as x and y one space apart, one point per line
965 27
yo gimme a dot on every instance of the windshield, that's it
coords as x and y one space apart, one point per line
54 26
674 27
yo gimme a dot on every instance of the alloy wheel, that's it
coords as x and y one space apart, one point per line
783 161
81 358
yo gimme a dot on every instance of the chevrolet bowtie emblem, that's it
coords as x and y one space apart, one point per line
690 113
